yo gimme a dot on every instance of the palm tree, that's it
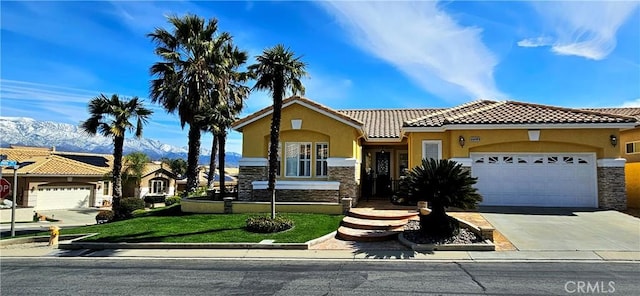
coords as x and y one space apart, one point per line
186 76
277 70
178 166
112 117
442 183
135 163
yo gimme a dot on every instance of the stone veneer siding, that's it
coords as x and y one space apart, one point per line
299 195
347 178
246 175
611 188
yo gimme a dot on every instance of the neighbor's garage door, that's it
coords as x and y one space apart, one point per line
63 197
548 180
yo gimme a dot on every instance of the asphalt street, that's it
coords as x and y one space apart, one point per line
95 276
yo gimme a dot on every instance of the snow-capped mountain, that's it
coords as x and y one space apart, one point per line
25 131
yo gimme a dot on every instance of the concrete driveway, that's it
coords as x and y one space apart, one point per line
565 229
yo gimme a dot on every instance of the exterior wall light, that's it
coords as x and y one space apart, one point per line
461 141
614 140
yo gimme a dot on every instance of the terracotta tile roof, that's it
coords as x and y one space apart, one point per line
385 123
151 167
266 111
632 111
51 163
510 112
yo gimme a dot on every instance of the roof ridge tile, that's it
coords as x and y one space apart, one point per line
444 111
474 111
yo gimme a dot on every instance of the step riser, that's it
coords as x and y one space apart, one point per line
367 239
368 227
373 217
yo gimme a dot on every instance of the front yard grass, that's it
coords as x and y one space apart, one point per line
205 228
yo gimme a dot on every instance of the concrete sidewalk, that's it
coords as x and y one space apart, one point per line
36 250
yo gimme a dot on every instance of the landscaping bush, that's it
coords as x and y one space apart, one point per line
104 216
267 225
172 200
151 199
128 205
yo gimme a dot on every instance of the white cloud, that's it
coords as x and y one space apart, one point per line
535 42
635 103
583 28
423 42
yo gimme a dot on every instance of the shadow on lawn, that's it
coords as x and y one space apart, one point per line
143 237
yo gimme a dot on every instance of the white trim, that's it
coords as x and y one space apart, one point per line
253 162
298 185
534 135
296 101
384 140
341 162
466 162
611 162
439 142
518 126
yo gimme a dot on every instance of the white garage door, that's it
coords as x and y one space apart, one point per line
63 197
547 180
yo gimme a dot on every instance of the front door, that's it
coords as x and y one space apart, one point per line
383 173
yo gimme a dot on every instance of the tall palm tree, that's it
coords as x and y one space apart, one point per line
112 117
135 163
186 76
277 70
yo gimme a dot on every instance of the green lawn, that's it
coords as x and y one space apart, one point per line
206 228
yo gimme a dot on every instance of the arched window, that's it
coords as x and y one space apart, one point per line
158 186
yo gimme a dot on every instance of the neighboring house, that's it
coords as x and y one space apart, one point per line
157 180
50 179
523 154
630 150
231 178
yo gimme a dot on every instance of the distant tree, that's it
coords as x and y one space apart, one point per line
112 117
442 183
185 80
277 70
135 163
177 165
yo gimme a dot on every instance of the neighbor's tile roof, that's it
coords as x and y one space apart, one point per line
51 163
385 123
510 112
632 111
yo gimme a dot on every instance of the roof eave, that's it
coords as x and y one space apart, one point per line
615 125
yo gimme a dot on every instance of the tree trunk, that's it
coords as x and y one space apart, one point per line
212 162
278 93
118 143
438 223
192 159
222 139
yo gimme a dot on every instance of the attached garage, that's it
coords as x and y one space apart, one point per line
548 180
64 197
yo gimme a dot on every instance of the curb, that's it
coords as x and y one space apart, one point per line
76 245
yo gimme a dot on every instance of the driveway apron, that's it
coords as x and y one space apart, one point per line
564 229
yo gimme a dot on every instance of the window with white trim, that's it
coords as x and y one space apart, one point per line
105 187
297 159
158 186
633 147
432 149
322 153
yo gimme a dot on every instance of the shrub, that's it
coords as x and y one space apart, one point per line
443 183
104 216
172 200
267 225
128 205
151 199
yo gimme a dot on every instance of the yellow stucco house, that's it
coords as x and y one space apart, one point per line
630 150
523 154
50 179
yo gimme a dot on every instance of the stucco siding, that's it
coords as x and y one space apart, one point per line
632 176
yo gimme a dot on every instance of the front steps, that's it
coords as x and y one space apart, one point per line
366 225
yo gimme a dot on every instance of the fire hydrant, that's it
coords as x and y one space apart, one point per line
54 230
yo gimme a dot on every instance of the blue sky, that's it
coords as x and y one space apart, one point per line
56 56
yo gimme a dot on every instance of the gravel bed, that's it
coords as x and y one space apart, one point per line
413 234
